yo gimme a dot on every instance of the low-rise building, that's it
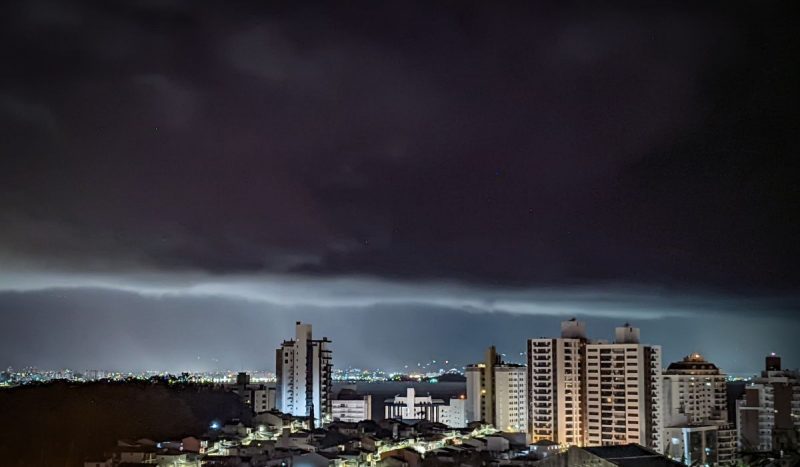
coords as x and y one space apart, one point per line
348 406
413 407
259 397
709 445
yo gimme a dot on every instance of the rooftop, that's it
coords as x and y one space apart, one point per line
632 455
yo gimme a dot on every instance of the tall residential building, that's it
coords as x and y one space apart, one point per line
694 392
768 416
623 392
696 428
497 394
555 386
303 368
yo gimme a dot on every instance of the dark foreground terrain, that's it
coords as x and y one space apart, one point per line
61 424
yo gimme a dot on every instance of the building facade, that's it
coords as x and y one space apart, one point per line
555 386
623 392
497 393
694 392
454 414
768 416
587 393
260 397
413 407
303 369
697 429
351 409
709 444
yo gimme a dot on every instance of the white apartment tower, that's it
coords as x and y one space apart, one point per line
623 392
694 393
496 393
303 369
555 386
694 399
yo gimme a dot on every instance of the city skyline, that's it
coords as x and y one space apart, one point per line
399 234
180 182
576 397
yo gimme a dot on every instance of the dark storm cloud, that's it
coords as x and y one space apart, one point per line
487 169
495 143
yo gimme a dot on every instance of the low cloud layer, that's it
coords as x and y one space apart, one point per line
207 322
610 301
91 328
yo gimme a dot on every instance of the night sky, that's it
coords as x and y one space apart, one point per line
180 181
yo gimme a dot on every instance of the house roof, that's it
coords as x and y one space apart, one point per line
632 455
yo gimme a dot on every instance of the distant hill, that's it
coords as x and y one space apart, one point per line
63 423
451 378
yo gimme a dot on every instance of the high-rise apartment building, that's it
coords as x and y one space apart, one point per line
768 416
303 369
475 392
594 393
555 386
497 394
694 392
623 392
696 428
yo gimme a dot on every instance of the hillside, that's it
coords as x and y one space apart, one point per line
63 423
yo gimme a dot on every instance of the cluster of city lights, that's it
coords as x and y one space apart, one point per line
31 375
410 373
